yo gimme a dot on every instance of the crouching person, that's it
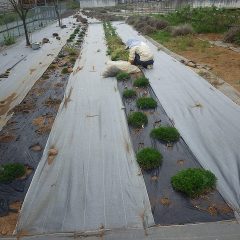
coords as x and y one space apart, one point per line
140 54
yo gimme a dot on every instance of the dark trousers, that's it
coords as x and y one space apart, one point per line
138 62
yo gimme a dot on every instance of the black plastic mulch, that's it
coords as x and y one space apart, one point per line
169 206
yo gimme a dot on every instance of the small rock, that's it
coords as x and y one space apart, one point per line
55 35
191 64
58 38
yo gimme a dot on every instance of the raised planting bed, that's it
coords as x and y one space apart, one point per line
169 204
25 135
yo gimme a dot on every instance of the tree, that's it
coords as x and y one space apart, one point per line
22 7
55 2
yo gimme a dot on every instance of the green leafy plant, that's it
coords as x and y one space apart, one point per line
11 171
129 93
141 82
146 103
122 76
9 40
64 70
194 181
166 134
137 119
149 158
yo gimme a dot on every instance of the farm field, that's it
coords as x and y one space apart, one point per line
125 156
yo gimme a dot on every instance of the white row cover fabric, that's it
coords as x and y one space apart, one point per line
94 181
208 121
23 76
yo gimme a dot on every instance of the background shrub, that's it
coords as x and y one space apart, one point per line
161 24
193 181
11 171
9 40
137 119
232 35
129 93
146 103
149 158
166 134
182 30
141 82
122 76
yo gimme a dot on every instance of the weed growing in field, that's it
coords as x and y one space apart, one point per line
149 158
194 181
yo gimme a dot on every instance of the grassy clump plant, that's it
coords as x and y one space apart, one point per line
9 40
146 103
122 76
149 158
64 70
137 119
129 93
141 82
11 171
194 181
166 134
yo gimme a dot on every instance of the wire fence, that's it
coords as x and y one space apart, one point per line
38 17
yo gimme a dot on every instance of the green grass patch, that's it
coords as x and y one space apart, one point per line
64 70
149 158
137 119
146 103
204 19
9 40
194 181
116 48
123 76
161 36
129 93
166 134
11 171
141 82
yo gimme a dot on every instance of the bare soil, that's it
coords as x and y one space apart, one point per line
225 63
8 223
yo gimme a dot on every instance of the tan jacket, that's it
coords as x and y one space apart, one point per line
142 50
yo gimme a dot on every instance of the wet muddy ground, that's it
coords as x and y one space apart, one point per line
169 206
